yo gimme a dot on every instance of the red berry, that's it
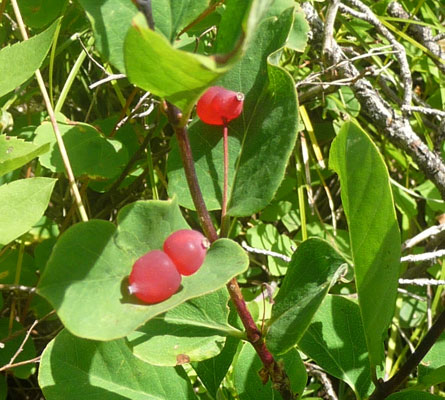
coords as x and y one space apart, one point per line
187 249
218 106
154 277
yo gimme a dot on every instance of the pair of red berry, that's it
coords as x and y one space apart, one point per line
156 276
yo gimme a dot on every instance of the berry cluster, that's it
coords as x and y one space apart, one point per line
156 276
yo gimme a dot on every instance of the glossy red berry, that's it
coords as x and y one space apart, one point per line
187 249
218 106
154 277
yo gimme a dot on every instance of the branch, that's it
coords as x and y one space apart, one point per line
422 282
367 15
317 372
265 252
431 231
272 369
420 33
107 79
397 128
21 288
423 257
388 387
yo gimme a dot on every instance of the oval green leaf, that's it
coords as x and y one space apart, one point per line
314 268
153 64
432 368
211 372
247 380
194 331
22 204
86 277
260 140
72 368
170 16
19 61
335 340
39 13
90 153
110 20
15 153
373 230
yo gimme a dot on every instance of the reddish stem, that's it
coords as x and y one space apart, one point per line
272 369
226 171
192 180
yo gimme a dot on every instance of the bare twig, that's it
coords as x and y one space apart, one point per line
21 288
423 257
425 110
98 64
366 14
311 79
406 339
317 372
265 252
132 115
328 32
422 282
422 34
384 389
397 128
18 364
20 349
438 37
409 294
107 79
427 233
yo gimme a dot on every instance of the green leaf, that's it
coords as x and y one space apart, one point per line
13 344
22 204
19 61
247 380
297 39
180 77
212 371
110 20
260 140
231 27
373 229
90 153
85 278
3 387
16 152
72 368
404 202
154 65
432 367
193 331
413 395
314 268
39 13
335 340
170 16
8 266
267 237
